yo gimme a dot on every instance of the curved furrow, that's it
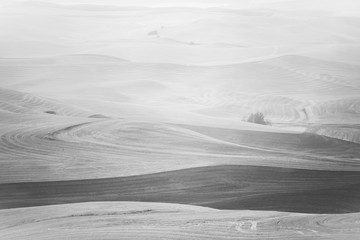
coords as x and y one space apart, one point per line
334 72
145 135
15 108
132 220
160 138
305 144
78 148
22 146
280 109
152 221
346 133
26 103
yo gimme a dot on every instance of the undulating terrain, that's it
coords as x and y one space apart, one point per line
129 119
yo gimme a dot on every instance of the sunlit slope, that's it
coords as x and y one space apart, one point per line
22 103
345 132
68 148
286 89
129 220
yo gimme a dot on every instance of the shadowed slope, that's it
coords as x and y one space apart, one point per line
223 187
